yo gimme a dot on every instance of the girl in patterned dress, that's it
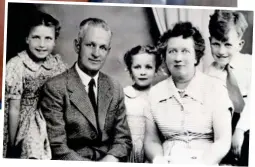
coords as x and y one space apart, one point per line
142 63
25 128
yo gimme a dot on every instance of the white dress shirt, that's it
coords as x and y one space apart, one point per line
86 79
241 68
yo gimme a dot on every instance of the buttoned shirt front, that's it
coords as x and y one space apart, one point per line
241 68
86 79
187 122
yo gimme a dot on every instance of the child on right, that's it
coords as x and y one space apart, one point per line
233 68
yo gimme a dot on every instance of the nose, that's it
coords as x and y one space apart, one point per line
222 50
42 43
95 52
143 72
178 57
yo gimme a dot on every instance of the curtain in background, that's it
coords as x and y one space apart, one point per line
167 17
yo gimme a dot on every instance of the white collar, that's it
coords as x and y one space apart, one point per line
84 77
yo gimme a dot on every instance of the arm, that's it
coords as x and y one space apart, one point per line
53 106
14 110
241 128
222 133
152 143
122 142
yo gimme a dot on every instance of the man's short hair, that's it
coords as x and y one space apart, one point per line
222 21
95 22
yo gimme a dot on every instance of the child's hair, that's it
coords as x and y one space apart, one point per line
40 18
186 30
151 50
221 22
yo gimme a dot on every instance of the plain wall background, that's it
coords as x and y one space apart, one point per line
131 26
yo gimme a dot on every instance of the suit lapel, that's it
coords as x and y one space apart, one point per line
79 96
104 98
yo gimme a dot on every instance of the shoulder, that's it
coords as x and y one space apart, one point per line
130 92
113 83
16 61
59 81
159 87
211 83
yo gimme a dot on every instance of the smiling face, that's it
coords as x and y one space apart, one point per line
41 41
180 58
223 52
93 49
143 69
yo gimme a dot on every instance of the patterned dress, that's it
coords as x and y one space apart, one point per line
24 79
136 105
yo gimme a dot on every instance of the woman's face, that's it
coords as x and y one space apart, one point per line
181 57
41 41
143 69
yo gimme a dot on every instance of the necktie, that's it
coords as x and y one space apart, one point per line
91 94
92 98
234 95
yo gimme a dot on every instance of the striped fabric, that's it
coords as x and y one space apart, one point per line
186 122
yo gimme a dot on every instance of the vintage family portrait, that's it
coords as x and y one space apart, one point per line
109 83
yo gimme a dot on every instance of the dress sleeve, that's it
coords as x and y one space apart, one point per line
14 79
60 64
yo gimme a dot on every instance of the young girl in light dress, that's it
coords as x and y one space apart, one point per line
25 128
142 62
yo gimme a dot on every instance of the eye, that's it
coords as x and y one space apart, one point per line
104 48
148 67
48 38
35 37
89 45
228 44
137 67
185 51
215 44
172 51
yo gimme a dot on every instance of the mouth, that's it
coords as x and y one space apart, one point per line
178 66
94 61
221 57
41 50
142 79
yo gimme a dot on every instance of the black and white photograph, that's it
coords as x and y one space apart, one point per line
132 84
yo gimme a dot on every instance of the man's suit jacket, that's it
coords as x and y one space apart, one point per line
71 121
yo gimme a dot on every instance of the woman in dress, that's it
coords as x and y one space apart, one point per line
142 63
25 127
188 121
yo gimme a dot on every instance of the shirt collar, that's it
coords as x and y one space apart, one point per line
84 77
48 64
193 90
130 92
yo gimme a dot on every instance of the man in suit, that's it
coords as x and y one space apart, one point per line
84 108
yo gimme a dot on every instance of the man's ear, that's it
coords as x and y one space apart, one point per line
241 44
76 45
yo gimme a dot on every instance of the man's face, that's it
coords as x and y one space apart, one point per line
93 49
223 52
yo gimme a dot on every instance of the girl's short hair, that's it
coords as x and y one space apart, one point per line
40 18
151 50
